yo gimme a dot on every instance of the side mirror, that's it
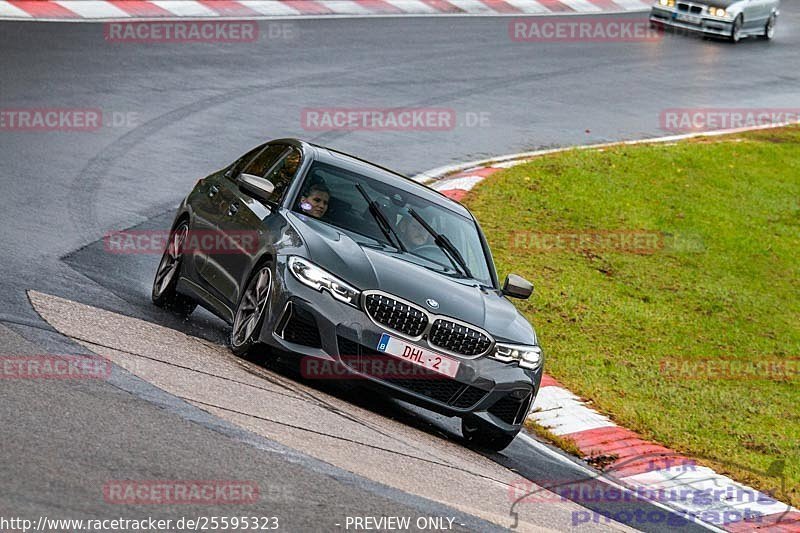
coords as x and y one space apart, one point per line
261 188
517 287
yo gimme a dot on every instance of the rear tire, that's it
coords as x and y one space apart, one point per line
250 312
164 292
483 435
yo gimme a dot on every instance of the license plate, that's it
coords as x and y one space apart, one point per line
419 356
687 18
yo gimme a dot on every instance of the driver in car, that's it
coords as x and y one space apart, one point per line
315 200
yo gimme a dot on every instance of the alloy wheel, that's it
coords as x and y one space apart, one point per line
170 261
251 308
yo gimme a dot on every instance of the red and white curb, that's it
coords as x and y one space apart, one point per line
146 9
636 464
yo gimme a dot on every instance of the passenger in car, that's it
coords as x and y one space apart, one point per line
412 233
315 200
289 167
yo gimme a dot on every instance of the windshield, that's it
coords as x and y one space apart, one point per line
331 195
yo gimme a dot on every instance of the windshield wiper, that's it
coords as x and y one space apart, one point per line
380 218
444 244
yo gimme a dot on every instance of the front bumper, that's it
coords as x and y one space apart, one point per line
703 23
314 324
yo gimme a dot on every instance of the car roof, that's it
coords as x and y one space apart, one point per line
376 172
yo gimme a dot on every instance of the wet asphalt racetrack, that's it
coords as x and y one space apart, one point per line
183 110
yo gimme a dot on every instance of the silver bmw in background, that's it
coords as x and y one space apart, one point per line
732 19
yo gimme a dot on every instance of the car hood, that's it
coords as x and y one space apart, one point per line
369 267
719 3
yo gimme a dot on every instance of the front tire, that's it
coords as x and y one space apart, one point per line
164 292
769 29
250 312
736 31
483 435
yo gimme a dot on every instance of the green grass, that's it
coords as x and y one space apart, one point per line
726 285
565 443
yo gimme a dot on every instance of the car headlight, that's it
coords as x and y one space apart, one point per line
315 277
527 356
718 11
667 3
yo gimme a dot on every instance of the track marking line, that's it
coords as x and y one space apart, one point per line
93 8
10 10
185 8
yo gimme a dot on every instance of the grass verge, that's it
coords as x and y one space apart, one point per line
668 289
565 443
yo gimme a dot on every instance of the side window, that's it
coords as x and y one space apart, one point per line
264 161
282 174
236 168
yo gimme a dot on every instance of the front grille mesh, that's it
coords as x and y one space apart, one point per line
457 338
347 348
302 329
442 390
411 321
506 409
396 315
470 397
690 8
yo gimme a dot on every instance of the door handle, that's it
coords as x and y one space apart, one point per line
233 209
212 191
